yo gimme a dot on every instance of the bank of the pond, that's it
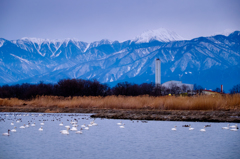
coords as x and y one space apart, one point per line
139 114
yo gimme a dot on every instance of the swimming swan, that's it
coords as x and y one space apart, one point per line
122 126
175 128
203 130
75 125
22 127
67 126
79 132
190 128
226 128
234 126
83 126
33 124
61 124
94 124
12 123
65 132
40 129
6 134
73 122
120 123
73 128
89 124
234 129
14 129
42 123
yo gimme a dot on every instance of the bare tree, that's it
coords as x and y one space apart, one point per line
235 89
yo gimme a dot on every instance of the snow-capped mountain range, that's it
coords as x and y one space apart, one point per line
207 61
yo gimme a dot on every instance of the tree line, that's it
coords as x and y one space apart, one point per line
80 87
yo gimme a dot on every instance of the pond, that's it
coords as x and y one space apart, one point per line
138 139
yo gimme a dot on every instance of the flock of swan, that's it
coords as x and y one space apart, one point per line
232 128
73 126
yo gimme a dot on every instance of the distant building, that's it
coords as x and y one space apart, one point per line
171 84
210 92
170 87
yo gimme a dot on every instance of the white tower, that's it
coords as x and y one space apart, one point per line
157 72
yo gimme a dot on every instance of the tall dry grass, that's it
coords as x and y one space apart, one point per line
128 102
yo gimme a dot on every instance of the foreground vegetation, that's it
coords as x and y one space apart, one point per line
226 102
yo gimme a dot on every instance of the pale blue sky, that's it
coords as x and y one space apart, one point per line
92 20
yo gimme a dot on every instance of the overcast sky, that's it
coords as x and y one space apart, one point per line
92 20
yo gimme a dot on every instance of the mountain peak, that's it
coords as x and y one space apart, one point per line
160 34
39 41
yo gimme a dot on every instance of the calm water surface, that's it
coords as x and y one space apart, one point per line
153 139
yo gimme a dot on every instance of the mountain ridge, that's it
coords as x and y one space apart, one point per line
112 61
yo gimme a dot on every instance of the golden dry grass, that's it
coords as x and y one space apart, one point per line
129 102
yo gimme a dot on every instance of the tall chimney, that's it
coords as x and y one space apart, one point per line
221 88
157 72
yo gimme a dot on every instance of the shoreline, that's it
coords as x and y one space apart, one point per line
139 114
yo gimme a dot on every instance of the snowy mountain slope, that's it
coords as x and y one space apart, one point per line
34 60
161 34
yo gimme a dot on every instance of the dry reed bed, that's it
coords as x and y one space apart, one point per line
129 102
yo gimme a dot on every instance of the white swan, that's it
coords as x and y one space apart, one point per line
226 128
94 124
40 129
87 128
14 129
42 123
73 128
65 132
12 123
120 123
203 130
27 126
75 125
33 124
67 126
18 121
122 126
79 132
234 129
175 128
22 127
61 124
6 134
73 122
190 128
83 126
233 126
